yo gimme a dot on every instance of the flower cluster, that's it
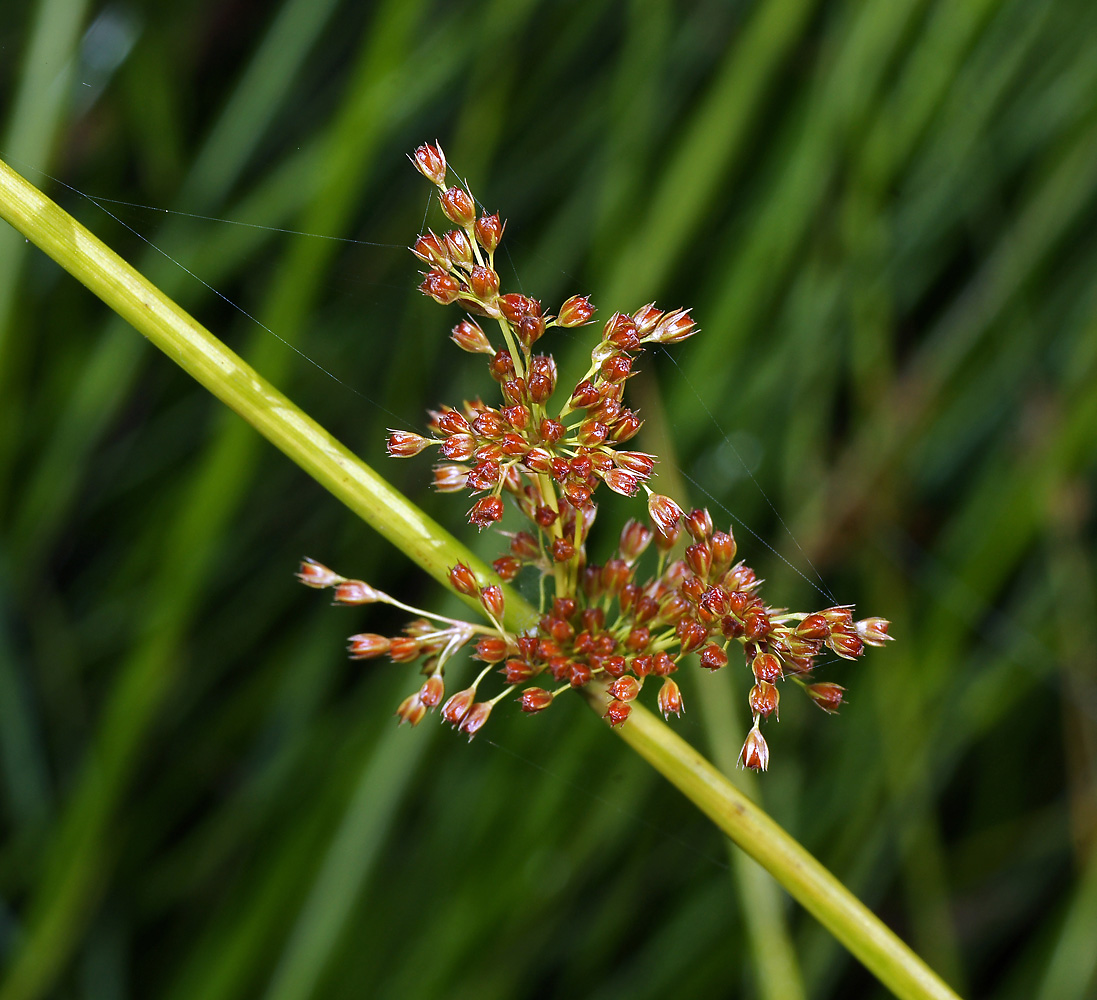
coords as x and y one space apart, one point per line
611 623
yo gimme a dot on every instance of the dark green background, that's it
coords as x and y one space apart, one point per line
883 216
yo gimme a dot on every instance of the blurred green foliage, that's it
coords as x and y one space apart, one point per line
883 216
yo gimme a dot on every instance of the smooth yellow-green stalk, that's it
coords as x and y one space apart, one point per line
332 465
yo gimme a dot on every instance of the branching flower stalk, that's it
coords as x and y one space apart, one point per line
628 621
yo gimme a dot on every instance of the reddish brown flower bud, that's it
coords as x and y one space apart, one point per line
514 306
577 494
874 631
450 478
484 282
469 337
673 328
314 574
713 657
542 379
489 231
430 161
507 567
621 482
646 318
524 546
839 617
756 623
430 694
485 511
691 633
662 664
405 444
458 206
458 447
502 366
463 580
767 667
763 698
616 368
635 538
491 649
491 598
848 645
715 601
814 627
538 460
621 332
458 246
517 416
826 695
354 592
585 395
535 700
699 524
545 516
723 550
665 513
404 649
592 433
475 718
638 638
551 430
579 674
617 712
484 476
454 710
514 391
431 249
625 688
636 462
755 752
699 557
367 645
411 710
562 550
576 311
529 329
670 699
625 427
440 287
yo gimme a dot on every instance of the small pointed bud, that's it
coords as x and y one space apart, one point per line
874 631
538 460
405 444
317 575
592 433
432 691
485 511
450 478
458 246
514 306
839 617
670 699
475 718
367 645
699 524
699 557
616 368
551 430
562 550
755 752
489 231
847 644
621 482
484 476
411 710
430 249
646 318
353 592
484 282
463 580
529 329
579 674
404 649
723 550
636 462
469 337
491 649
673 328
756 623
621 332
713 657
517 671
430 161
813 627
617 712
458 447
458 705
664 512
763 698
635 538
535 700
585 395
502 366
440 287
576 311
507 567
826 695
492 599
767 667
458 206
625 688
625 427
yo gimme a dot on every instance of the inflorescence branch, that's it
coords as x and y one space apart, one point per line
608 623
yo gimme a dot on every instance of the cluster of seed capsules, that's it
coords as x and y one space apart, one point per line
605 623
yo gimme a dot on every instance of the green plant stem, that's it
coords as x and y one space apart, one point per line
332 465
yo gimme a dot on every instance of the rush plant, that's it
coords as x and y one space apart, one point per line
630 620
